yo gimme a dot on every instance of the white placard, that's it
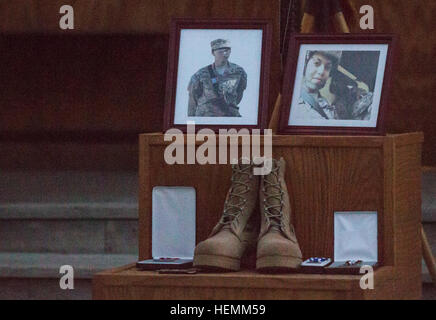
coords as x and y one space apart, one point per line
173 222
195 53
355 236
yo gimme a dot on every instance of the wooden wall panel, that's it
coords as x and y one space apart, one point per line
107 75
323 176
413 94
413 90
112 83
407 222
353 178
125 16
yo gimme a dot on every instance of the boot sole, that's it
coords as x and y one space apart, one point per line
278 263
217 263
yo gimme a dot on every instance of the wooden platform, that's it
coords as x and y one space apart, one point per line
129 283
324 174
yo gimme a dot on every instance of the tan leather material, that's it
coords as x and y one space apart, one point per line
241 199
238 227
274 244
273 194
277 235
237 230
224 243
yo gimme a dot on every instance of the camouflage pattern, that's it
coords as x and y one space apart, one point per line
219 43
204 101
362 107
305 111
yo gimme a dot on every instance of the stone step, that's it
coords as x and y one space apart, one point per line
95 213
429 195
87 153
430 231
429 213
68 187
47 265
69 212
43 289
61 228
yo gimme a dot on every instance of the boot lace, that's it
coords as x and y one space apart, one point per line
273 191
236 201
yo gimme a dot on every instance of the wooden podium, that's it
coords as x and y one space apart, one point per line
324 174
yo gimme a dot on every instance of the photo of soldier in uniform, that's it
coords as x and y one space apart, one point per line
219 76
217 89
337 85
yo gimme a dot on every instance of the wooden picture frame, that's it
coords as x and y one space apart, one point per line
363 86
250 49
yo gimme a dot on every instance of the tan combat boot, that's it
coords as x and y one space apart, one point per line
236 232
277 247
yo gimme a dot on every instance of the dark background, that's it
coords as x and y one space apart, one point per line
361 64
77 99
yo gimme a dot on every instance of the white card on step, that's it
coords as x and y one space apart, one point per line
173 222
355 236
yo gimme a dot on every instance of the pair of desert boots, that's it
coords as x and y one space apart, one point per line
242 229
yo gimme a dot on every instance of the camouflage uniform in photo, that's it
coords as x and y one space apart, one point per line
311 108
214 95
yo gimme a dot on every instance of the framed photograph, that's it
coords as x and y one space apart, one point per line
336 84
218 73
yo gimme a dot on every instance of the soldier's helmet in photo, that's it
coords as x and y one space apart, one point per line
333 56
220 44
